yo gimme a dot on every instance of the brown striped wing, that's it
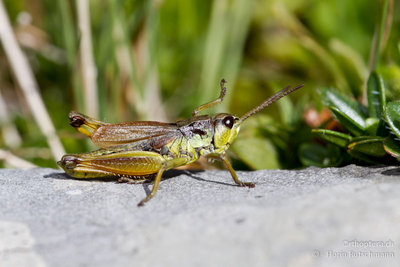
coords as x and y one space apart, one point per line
116 134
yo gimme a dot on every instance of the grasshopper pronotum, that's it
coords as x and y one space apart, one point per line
138 150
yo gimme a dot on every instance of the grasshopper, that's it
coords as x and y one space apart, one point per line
139 150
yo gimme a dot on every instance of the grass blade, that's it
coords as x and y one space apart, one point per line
88 67
28 84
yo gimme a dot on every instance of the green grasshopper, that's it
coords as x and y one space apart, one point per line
138 150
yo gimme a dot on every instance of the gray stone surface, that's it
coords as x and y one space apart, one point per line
314 217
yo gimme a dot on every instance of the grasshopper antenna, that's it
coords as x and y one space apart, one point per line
285 91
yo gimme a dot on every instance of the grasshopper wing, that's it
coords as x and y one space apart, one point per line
157 134
105 135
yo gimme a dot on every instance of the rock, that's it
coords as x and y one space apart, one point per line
313 217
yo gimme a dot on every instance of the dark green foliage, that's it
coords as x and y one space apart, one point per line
337 138
371 131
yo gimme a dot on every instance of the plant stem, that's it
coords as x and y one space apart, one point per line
381 34
10 132
15 162
88 68
28 84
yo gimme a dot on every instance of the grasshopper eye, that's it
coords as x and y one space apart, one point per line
228 121
76 121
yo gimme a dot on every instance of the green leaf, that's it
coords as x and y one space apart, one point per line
351 63
392 115
348 122
256 152
372 126
346 105
367 145
376 95
311 154
336 138
365 158
391 147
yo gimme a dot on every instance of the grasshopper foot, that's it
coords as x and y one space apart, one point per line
246 184
141 203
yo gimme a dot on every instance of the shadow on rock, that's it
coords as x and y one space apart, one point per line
392 172
146 183
63 176
192 173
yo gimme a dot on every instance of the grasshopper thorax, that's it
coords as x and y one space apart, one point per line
226 128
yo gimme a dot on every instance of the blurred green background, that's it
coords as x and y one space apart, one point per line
158 60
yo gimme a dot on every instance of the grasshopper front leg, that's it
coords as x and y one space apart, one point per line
225 160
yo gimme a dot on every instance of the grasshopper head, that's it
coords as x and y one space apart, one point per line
226 128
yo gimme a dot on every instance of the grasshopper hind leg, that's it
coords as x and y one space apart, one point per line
130 166
155 187
169 164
